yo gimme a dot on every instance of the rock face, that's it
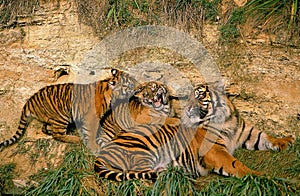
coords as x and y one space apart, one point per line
30 54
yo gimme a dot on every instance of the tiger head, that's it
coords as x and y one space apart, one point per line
153 95
207 103
122 84
198 106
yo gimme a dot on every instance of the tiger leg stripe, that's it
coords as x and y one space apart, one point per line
258 140
256 145
143 175
120 176
112 175
221 172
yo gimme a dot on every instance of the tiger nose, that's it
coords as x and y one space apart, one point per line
188 111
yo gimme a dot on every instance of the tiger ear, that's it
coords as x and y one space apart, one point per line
138 89
219 86
165 88
114 72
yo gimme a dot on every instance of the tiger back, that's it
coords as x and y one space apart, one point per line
62 107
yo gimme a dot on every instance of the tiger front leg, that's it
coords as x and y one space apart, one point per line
258 140
279 144
218 160
88 130
47 129
59 132
63 137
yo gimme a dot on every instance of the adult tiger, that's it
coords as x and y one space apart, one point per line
62 107
206 146
150 104
225 131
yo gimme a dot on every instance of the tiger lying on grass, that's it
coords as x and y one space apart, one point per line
62 107
204 142
149 105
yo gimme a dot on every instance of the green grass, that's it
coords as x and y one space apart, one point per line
293 159
6 176
130 187
268 8
229 30
276 16
11 10
68 178
117 14
251 185
35 149
174 182
75 176
273 164
281 174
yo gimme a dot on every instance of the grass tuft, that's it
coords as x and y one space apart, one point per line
132 187
276 16
187 15
250 185
174 182
211 9
75 176
6 176
230 30
294 162
11 10
66 179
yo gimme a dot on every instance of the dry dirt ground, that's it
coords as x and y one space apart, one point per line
264 79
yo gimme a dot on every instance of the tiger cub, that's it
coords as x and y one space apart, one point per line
149 104
62 107
204 145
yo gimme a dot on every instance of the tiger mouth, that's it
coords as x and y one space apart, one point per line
157 102
196 112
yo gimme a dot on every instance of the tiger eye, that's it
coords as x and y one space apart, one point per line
196 94
154 87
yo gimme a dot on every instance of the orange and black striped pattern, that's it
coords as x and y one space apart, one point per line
64 107
149 105
206 144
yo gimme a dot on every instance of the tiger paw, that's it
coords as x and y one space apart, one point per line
282 143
